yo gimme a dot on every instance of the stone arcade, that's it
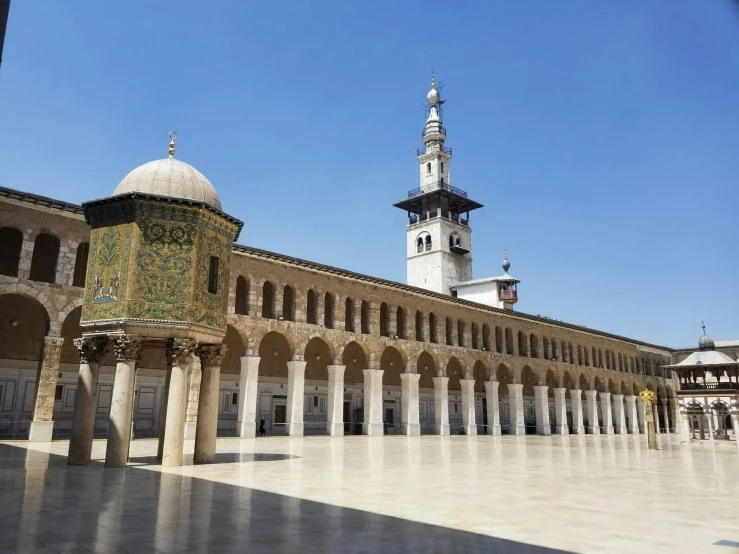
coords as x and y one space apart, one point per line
119 310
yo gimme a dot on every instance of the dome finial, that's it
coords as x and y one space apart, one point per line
705 342
172 137
506 263
433 79
703 325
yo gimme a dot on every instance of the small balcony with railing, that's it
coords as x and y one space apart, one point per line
414 219
438 185
434 148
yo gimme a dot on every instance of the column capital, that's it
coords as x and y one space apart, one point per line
179 351
211 355
296 364
411 377
617 395
126 347
541 388
249 361
91 349
492 385
604 395
440 380
336 367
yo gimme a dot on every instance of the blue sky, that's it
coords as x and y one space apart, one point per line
602 137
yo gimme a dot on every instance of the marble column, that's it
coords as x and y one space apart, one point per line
631 411
493 407
335 419
248 382
409 417
193 398
735 423
126 348
687 433
91 351
560 412
468 406
605 408
665 416
620 422
656 416
541 408
179 354
642 414
592 407
42 426
295 397
441 405
578 426
676 416
163 409
709 418
372 424
515 399
206 431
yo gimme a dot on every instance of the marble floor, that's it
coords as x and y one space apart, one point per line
381 494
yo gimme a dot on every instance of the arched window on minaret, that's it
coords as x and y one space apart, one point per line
428 242
420 245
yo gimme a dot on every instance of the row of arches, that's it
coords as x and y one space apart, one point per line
44 257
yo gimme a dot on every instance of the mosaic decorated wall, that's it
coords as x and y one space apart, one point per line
154 266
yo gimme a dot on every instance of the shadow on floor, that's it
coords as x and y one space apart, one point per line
45 503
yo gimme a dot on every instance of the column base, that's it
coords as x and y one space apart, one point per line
41 431
607 431
633 430
578 430
411 429
247 430
518 430
620 430
642 429
562 429
544 430
190 427
335 429
442 430
294 429
494 430
373 429
470 430
594 430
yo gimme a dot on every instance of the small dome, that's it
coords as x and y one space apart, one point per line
706 343
506 263
170 177
433 97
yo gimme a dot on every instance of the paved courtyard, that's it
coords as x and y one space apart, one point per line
391 494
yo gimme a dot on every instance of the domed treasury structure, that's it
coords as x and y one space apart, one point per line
157 278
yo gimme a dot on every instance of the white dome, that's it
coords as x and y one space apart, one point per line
169 177
433 97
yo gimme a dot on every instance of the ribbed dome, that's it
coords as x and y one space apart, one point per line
706 343
170 177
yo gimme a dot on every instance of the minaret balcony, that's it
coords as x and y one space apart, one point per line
438 185
428 216
433 131
443 149
510 296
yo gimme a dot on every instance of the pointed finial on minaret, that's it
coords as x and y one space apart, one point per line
506 263
433 79
172 137
703 325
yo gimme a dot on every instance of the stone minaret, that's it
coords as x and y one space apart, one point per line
439 238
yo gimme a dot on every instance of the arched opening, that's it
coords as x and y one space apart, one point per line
235 348
383 320
392 362
268 300
419 326
533 346
315 406
355 360
428 242
509 341
449 332
364 317
442 167
545 343
523 349
565 357
427 369
503 376
433 336
328 314
475 336
570 353
529 380
288 303
499 340
349 316
486 337
80 264
555 350
274 353
419 245
11 244
45 257
241 306
400 323
311 311
552 382
460 333
455 373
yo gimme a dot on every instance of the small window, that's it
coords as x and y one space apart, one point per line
213 275
315 401
234 398
442 167
58 391
428 167
419 248
428 242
